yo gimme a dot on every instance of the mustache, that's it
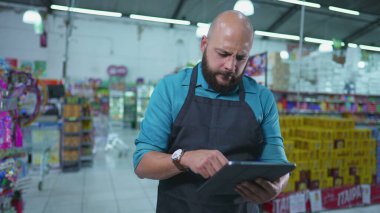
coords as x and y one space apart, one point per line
226 74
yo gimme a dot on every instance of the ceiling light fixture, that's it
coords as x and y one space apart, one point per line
305 3
361 64
277 35
352 45
32 17
284 55
202 29
325 48
157 19
318 41
245 6
85 11
372 48
342 10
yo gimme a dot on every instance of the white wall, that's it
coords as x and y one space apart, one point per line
149 50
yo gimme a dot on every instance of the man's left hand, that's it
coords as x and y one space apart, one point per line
261 190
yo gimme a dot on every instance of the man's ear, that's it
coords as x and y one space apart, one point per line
203 43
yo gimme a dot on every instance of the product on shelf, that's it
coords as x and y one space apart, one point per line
329 152
72 141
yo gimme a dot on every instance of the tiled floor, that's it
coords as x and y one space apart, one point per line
110 185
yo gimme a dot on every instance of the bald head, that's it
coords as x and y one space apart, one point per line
230 22
226 50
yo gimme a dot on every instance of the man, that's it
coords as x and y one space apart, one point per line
201 118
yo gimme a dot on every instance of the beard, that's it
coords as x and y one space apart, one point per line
210 77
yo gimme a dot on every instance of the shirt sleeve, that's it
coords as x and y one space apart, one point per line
156 125
273 150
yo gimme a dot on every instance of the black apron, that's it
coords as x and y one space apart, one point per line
203 123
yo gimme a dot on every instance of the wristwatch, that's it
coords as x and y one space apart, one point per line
176 158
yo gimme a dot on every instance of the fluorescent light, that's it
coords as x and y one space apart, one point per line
32 17
277 35
342 10
157 19
352 45
361 64
85 11
318 41
200 24
245 6
284 54
305 3
372 48
325 48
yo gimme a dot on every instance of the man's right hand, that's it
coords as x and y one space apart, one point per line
204 162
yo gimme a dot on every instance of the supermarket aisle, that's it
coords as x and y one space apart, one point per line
109 186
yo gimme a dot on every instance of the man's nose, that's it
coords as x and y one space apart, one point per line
230 63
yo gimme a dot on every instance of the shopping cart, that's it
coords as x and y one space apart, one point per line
42 142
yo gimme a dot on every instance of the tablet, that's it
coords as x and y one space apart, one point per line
235 172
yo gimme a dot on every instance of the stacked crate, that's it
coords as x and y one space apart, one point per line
329 152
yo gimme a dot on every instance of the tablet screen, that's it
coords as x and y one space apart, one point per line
235 172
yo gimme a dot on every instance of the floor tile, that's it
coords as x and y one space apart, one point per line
135 205
101 207
71 208
99 197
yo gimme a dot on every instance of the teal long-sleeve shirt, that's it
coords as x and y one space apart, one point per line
169 96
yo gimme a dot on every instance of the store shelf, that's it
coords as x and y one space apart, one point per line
69 163
73 133
73 119
71 147
87 130
8 104
87 144
8 153
325 94
86 158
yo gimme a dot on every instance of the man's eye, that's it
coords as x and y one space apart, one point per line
223 54
240 58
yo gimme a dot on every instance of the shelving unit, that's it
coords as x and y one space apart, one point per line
143 94
77 146
87 141
130 108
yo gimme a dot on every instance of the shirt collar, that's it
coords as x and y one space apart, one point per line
249 88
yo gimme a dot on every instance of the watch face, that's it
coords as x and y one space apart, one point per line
177 154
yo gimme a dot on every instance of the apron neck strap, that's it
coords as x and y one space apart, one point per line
193 81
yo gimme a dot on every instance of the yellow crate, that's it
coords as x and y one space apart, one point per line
349 180
327 145
366 179
72 127
326 182
71 141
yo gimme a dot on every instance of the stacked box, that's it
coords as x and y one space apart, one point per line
280 72
329 152
72 111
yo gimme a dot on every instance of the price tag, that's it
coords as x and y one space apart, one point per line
297 202
316 200
366 193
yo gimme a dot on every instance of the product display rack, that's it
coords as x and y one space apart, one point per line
143 93
87 141
77 146
130 108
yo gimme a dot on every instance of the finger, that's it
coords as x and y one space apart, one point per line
255 190
222 159
216 164
248 194
268 186
210 169
204 173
